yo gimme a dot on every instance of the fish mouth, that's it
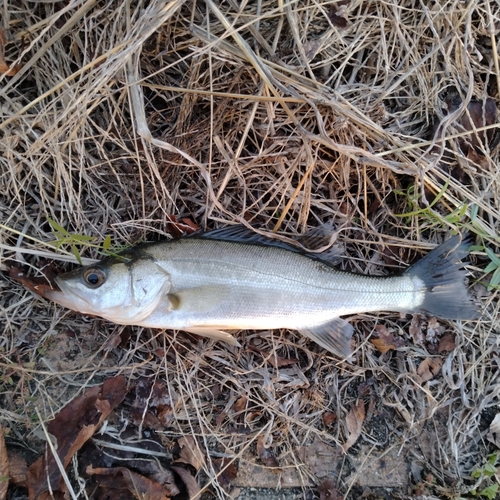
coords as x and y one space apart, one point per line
68 298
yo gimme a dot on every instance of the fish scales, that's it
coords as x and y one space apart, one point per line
273 286
234 279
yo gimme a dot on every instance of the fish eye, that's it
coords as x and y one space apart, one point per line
94 277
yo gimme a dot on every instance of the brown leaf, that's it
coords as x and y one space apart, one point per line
113 342
354 422
338 14
273 359
433 329
429 368
226 470
189 481
190 226
328 418
121 478
18 468
152 405
479 114
190 453
381 345
72 427
5 69
386 340
328 491
416 329
36 285
266 455
447 343
240 404
4 467
178 229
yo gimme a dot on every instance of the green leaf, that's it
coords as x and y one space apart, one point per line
106 244
81 238
490 267
495 279
440 194
489 469
76 253
476 473
56 227
473 212
490 492
476 248
493 256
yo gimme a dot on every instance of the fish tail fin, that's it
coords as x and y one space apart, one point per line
443 275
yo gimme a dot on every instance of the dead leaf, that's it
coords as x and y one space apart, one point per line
354 422
190 226
240 404
478 114
121 478
266 455
178 229
386 340
338 13
328 491
192 488
416 329
273 359
72 427
429 368
328 418
494 432
113 342
190 453
433 329
18 469
447 343
36 285
5 69
4 467
311 48
152 406
226 470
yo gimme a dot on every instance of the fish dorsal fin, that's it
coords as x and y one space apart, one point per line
318 237
210 332
241 234
334 336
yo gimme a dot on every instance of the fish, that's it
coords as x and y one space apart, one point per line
235 279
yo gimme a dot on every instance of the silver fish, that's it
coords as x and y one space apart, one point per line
234 279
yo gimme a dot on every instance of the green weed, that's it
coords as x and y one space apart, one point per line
486 474
77 241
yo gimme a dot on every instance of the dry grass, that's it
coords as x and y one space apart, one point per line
263 113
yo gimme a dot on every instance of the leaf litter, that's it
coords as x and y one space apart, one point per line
175 117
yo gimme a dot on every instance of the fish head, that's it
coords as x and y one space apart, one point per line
120 289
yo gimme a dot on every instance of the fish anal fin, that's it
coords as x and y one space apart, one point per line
335 336
205 331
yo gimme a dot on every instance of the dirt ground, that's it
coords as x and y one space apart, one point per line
125 122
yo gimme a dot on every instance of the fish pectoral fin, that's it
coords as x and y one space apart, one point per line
334 336
198 299
205 331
